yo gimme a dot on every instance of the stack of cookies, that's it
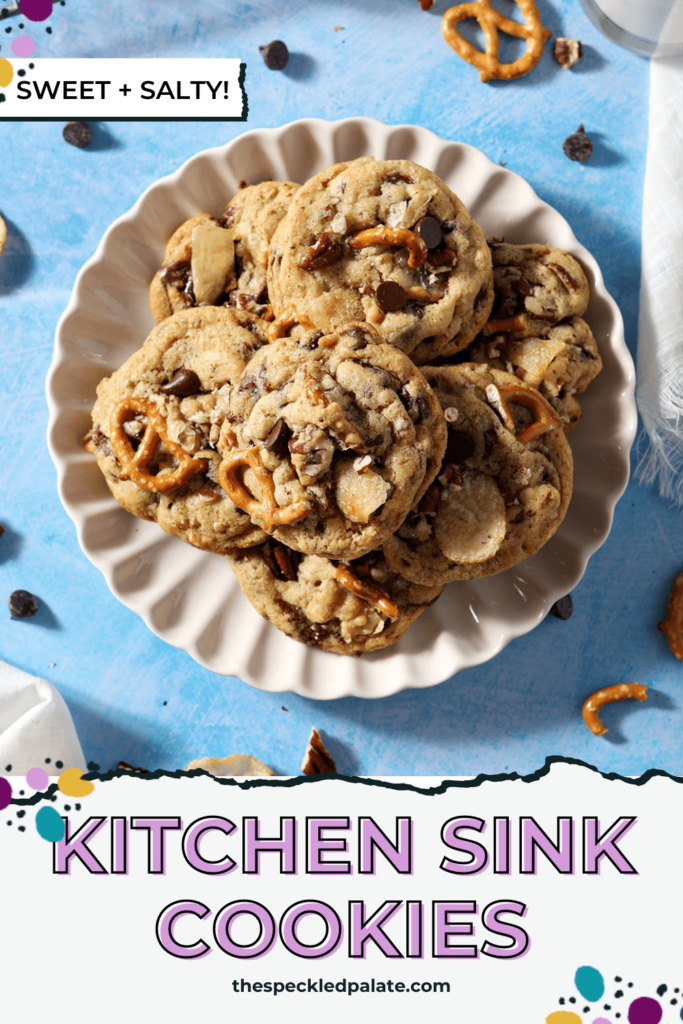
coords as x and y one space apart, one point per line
352 394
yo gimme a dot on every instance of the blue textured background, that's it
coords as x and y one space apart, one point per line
135 698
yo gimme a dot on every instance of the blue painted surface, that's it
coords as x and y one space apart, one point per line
132 696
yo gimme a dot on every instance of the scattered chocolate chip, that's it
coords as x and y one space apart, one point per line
22 604
77 133
459 448
182 384
429 231
275 55
317 759
577 146
563 608
390 296
321 254
277 438
567 51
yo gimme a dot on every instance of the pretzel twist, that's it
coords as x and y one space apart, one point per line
267 509
383 235
487 64
545 416
672 626
622 691
134 463
366 591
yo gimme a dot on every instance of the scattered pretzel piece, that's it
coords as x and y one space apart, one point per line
266 510
545 416
383 235
279 327
487 64
622 691
672 626
366 591
134 463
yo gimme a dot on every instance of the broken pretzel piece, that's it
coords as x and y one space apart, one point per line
611 694
134 464
366 591
267 509
672 626
545 417
393 236
317 759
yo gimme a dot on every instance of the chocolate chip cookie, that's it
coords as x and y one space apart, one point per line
222 260
157 420
382 241
504 486
329 441
347 608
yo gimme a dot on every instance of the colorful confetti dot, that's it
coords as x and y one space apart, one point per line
36 10
644 1011
71 783
5 794
23 46
37 778
6 72
590 983
49 824
563 1017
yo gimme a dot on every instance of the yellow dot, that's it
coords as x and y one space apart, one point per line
563 1017
6 72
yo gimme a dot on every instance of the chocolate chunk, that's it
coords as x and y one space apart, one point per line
323 253
563 608
393 179
521 286
390 296
275 55
176 274
567 51
317 759
577 146
459 448
277 438
429 231
22 604
77 133
182 384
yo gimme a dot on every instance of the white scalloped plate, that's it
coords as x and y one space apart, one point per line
189 597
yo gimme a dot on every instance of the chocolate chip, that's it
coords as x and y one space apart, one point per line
563 608
182 384
429 231
577 146
277 438
390 296
175 274
77 133
393 179
275 55
22 605
460 447
322 253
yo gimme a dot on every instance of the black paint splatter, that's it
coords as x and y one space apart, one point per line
661 989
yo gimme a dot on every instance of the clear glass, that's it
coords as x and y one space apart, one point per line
653 28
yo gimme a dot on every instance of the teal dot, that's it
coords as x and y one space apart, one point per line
49 824
590 983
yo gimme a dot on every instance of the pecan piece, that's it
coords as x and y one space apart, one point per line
566 279
323 253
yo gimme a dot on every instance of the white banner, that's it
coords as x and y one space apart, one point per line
482 902
106 88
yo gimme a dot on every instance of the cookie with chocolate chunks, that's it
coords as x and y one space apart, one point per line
346 608
329 441
179 379
385 241
504 486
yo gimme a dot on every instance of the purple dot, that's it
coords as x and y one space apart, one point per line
23 46
37 778
36 10
644 1011
5 794
601 1020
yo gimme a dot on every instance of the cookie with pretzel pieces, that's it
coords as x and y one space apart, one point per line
382 241
504 485
344 607
329 441
222 260
561 362
157 420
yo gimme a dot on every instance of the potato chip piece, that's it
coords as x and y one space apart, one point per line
3 234
231 767
532 357
471 524
213 260
359 494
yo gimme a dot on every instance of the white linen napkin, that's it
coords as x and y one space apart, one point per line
34 724
660 334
